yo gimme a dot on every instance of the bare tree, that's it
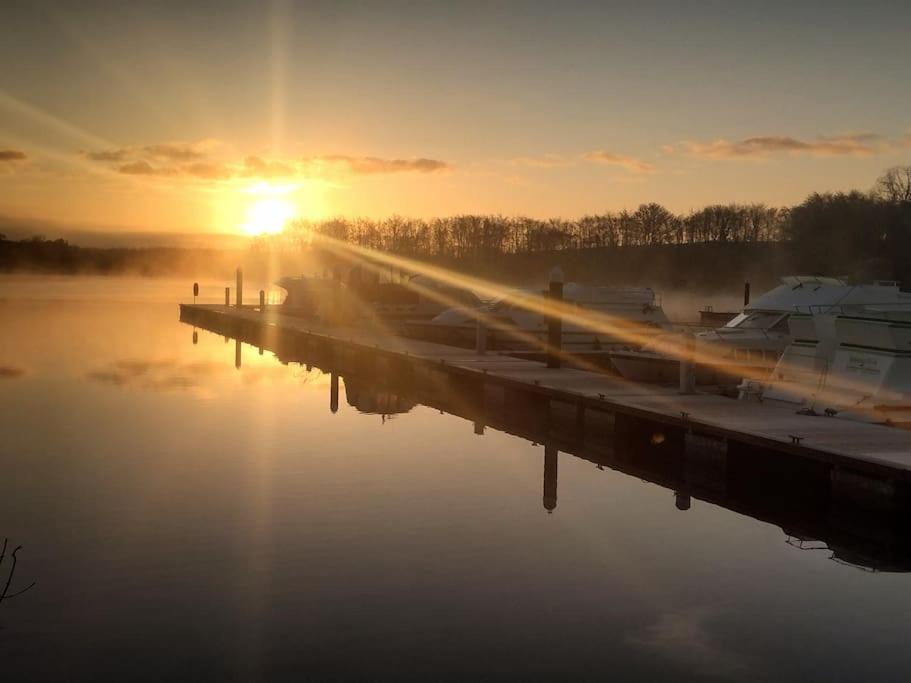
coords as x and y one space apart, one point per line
5 586
894 185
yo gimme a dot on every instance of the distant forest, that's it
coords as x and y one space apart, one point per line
859 234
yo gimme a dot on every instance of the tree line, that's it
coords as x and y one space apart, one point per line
466 236
861 234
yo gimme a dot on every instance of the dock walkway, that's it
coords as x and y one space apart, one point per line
880 450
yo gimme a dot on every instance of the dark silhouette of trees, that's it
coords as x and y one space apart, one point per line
853 234
474 236
894 185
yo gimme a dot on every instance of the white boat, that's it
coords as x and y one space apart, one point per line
756 338
855 365
517 315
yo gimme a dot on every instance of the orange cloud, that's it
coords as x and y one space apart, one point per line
856 144
191 160
12 155
629 163
375 165
142 167
256 167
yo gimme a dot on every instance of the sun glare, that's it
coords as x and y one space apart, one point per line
268 216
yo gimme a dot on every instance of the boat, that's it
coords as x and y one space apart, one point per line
852 365
754 340
511 319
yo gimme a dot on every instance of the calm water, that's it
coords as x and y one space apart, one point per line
187 519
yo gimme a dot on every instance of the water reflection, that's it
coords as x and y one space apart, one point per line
795 495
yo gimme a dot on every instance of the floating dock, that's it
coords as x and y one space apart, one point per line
865 461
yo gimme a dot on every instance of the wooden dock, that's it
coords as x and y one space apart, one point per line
862 457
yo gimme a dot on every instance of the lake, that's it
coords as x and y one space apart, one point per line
186 518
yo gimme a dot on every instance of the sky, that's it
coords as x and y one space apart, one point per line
230 117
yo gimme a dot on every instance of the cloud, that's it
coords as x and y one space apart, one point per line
174 151
259 168
194 160
142 167
157 375
12 155
855 144
11 372
631 164
162 151
208 170
375 165
685 640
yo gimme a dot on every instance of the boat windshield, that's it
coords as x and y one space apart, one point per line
758 320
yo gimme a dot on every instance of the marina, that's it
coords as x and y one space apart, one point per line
867 462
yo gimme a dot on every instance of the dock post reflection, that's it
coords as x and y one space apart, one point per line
333 392
682 500
237 353
550 478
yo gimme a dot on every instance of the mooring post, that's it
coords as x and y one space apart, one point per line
262 301
333 392
687 371
550 478
555 319
746 294
227 296
195 291
240 287
480 335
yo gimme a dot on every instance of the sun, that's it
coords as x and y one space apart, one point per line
268 216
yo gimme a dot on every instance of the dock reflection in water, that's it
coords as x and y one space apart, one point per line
186 518
793 494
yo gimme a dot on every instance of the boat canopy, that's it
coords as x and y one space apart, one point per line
809 294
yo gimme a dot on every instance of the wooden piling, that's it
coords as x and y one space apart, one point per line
480 336
555 322
687 370
240 287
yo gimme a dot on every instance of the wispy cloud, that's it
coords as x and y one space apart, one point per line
161 151
11 372
376 165
685 640
853 144
258 167
195 161
141 167
12 155
630 163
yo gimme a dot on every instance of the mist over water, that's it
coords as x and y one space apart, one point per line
184 518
